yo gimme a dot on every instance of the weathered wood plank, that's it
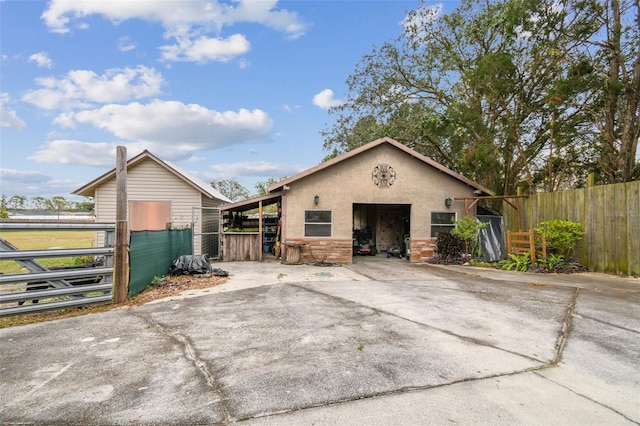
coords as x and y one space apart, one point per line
241 246
621 261
633 227
599 230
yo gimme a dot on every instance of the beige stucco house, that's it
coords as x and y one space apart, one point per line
160 193
383 190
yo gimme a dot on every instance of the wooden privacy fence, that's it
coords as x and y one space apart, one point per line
610 217
527 242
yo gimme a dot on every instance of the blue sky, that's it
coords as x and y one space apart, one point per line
228 90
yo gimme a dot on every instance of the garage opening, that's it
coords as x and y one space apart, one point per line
381 229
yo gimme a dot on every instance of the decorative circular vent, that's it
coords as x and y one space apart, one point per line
383 175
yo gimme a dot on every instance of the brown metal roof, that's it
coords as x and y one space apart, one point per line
371 145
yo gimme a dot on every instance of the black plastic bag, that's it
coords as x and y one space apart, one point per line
190 264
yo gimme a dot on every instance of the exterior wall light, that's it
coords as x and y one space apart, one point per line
448 201
316 199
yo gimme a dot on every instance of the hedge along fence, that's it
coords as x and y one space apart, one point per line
151 254
609 214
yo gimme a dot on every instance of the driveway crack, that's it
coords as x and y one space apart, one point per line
191 355
564 334
595 401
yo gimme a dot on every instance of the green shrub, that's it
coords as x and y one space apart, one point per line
468 229
561 234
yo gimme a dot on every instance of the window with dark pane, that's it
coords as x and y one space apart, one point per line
441 222
317 223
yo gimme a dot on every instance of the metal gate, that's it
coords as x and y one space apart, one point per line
206 237
55 289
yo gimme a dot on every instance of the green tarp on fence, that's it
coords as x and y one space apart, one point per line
151 254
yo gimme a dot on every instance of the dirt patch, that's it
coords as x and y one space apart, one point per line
537 285
172 286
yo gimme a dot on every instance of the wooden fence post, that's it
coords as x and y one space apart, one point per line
532 247
121 270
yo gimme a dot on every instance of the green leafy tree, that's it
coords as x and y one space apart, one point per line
17 202
262 186
231 188
501 92
617 111
38 203
85 206
57 203
4 214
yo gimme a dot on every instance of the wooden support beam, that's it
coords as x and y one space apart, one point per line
474 200
260 232
121 276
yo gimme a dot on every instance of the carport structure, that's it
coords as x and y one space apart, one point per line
246 245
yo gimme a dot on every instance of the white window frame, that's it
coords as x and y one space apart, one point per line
441 225
330 223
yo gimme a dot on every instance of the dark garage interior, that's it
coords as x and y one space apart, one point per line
381 228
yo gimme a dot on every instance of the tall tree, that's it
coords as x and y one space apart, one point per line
38 203
85 206
495 90
231 189
618 65
57 203
17 202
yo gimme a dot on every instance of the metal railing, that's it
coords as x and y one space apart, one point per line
56 289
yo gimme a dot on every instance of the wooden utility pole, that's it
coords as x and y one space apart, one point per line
121 270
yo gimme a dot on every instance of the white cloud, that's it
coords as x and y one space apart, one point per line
81 88
73 152
174 129
125 44
262 12
34 183
204 49
42 59
195 25
290 108
23 176
9 118
251 168
325 99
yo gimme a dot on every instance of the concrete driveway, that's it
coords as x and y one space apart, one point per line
379 342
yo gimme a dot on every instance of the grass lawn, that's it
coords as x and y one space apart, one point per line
38 240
